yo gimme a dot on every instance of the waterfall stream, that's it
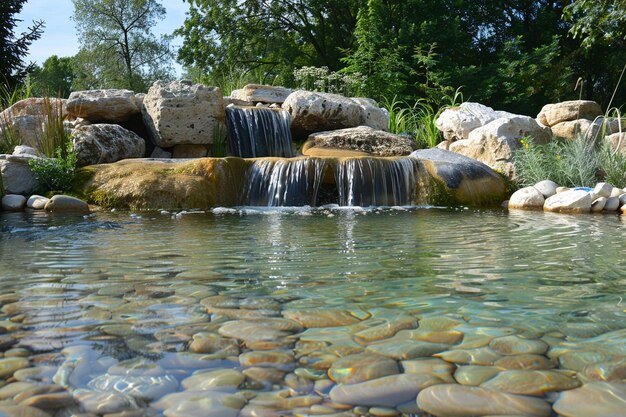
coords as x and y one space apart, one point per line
258 131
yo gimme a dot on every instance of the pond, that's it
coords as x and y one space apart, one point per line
327 311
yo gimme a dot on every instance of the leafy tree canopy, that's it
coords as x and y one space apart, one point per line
118 48
54 78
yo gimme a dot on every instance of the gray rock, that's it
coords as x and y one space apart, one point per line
468 180
17 176
26 118
551 114
65 203
318 112
37 202
159 153
261 93
362 139
603 189
598 204
572 201
547 188
106 143
527 198
495 142
617 142
113 106
612 204
13 202
24 150
182 113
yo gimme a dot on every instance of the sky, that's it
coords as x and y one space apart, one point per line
59 36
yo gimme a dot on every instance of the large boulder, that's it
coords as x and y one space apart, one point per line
573 129
113 106
64 203
313 112
494 143
466 180
362 139
456 123
27 119
551 114
572 201
16 174
374 116
527 198
181 112
256 93
106 143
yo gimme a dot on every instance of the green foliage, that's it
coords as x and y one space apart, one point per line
597 22
13 49
54 137
54 78
322 79
118 49
55 174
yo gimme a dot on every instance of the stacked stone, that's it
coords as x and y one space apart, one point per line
548 196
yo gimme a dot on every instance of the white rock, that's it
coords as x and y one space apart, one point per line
37 202
17 176
318 112
456 123
603 189
24 150
527 198
106 143
547 187
261 93
182 113
598 204
374 116
616 192
562 189
112 106
569 110
495 142
572 201
13 202
612 204
573 129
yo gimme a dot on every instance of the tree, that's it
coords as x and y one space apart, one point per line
264 40
54 78
118 49
598 22
14 49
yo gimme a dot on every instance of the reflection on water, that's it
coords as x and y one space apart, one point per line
114 287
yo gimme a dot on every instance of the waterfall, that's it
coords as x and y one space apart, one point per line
376 182
284 182
258 131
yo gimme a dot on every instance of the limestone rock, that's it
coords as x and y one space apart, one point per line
64 203
573 129
26 119
37 202
13 202
318 112
527 198
182 113
467 180
569 110
572 201
113 106
375 116
362 139
17 176
261 93
495 142
456 123
547 188
617 141
603 189
466 401
106 143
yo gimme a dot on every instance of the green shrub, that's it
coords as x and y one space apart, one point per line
55 174
417 121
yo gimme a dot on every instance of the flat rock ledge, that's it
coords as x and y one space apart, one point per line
548 196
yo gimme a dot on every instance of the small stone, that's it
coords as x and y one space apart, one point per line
389 391
383 412
598 204
597 399
200 403
213 343
603 189
103 402
13 202
525 362
21 411
430 366
463 401
527 198
531 382
37 202
9 365
50 401
516 345
141 387
616 192
473 375
11 390
612 204
66 203
322 318
478 356
281 360
610 371
362 367
213 379
547 188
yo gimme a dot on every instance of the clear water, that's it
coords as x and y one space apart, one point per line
539 272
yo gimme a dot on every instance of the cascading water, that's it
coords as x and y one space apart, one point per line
377 182
284 182
258 131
